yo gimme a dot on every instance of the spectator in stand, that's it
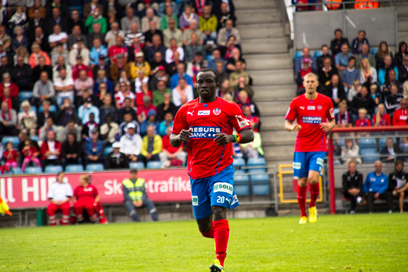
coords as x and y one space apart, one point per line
216 57
78 49
158 94
66 113
109 130
64 87
163 8
326 72
97 18
400 116
153 30
157 62
57 52
6 39
144 91
397 183
117 49
357 43
76 34
383 72
350 152
389 151
86 109
75 21
56 19
41 39
222 74
27 118
96 34
80 67
165 19
342 58
187 35
169 153
224 13
325 54
375 187
51 151
5 67
133 33
381 118
375 94
226 32
151 121
101 66
363 120
182 90
368 74
208 25
37 18
253 150
89 8
41 67
165 107
127 119
180 74
338 41
59 194
57 37
403 70
143 110
43 90
113 33
103 86
306 69
353 185
172 66
10 156
93 149
299 61
118 67
343 118
131 143
48 126
187 17
362 100
386 88
382 52
123 94
165 124
70 128
31 153
116 159
71 150
107 109
11 101
365 54
253 119
139 65
150 17
402 52
81 85
89 127
21 52
172 49
36 54
235 56
172 33
243 87
194 67
243 100
393 101
194 48
350 74
135 48
61 64
21 74
239 72
151 146
7 83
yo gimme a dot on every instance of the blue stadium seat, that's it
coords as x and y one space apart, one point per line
239 162
258 161
262 188
298 55
34 138
241 179
341 142
241 185
317 54
53 109
74 168
257 170
53 169
95 167
137 165
239 171
33 170
374 51
367 143
260 178
13 139
107 150
153 165
369 155
15 171
24 95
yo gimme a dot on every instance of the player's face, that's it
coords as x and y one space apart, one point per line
206 85
310 84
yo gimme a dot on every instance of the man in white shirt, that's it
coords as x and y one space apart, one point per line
79 49
57 37
59 194
64 86
110 38
131 143
183 92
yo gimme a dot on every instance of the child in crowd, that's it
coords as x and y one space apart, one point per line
30 154
353 91
10 155
375 94
363 121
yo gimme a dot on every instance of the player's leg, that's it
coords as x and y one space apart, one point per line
315 162
65 208
202 207
221 232
300 172
401 201
51 210
152 209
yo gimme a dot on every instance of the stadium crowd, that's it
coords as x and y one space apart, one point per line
368 88
88 81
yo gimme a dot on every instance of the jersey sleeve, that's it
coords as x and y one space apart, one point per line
180 121
291 114
237 119
330 110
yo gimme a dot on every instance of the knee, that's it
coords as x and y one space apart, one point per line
218 212
302 182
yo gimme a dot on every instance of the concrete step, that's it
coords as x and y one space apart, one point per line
264 46
268 62
278 137
273 77
258 4
256 16
402 11
279 151
274 92
403 36
402 24
273 107
272 30
272 123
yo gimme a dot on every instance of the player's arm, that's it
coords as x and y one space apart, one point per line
247 136
181 132
290 117
328 125
289 126
177 139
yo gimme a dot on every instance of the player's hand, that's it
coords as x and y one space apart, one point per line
296 127
376 195
139 204
325 127
223 139
185 135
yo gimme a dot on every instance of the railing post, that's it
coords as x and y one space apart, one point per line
331 176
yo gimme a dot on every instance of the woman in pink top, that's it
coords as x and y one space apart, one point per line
30 154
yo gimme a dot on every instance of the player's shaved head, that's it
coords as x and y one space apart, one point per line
311 75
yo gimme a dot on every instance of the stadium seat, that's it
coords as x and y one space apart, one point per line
369 155
239 162
317 54
153 165
14 171
53 109
13 139
34 138
95 167
341 142
257 170
258 161
137 165
33 170
24 95
107 150
298 55
74 168
260 178
239 171
53 169
367 143
241 185
374 51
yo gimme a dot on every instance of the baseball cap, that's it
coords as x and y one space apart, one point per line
161 68
116 145
130 125
140 54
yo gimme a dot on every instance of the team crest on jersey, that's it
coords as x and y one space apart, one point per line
216 111
319 107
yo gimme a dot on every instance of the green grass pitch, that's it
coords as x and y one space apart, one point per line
377 242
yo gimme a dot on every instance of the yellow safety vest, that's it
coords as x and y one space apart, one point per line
135 189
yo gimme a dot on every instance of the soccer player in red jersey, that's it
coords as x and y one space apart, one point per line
314 116
205 125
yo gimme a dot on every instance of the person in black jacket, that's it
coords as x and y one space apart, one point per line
392 102
21 75
362 100
115 159
327 71
352 186
389 152
397 183
66 113
403 70
42 116
335 44
71 150
335 90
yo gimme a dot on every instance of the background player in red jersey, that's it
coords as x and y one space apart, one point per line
314 116
206 125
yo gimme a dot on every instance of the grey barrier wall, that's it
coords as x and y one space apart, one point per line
314 28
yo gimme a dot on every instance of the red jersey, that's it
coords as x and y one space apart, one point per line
385 120
309 114
400 117
114 50
90 192
205 157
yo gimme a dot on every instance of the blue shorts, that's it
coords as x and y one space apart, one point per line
217 190
303 162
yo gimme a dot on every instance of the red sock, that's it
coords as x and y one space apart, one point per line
221 235
301 197
210 233
314 193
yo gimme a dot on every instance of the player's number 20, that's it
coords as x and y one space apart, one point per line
221 199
